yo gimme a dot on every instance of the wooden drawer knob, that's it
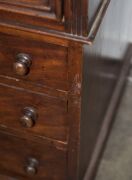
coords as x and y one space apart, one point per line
29 117
22 64
32 166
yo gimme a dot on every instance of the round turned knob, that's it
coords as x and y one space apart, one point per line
22 64
29 117
32 165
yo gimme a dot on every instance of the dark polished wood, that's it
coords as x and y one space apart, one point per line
48 11
62 17
31 160
52 119
58 96
46 64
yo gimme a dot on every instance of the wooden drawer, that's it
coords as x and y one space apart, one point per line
31 160
47 13
27 112
34 61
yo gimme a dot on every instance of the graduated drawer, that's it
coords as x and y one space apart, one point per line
23 159
38 114
37 62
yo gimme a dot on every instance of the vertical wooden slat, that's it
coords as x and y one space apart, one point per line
59 9
76 17
74 108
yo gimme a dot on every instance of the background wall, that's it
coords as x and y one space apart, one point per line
117 160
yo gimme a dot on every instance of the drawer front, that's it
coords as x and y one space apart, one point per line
39 115
30 160
40 63
47 13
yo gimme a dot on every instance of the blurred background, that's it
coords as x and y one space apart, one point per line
117 159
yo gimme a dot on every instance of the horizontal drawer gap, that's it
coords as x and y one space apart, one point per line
61 145
33 88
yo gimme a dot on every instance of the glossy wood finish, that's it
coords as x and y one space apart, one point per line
67 91
53 8
52 119
49 12
74 108
75 15
48 67
17 153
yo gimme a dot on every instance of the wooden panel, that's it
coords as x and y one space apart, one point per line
31 3
74 108
72 19
50 6
51 118
49 12
15 154
49 62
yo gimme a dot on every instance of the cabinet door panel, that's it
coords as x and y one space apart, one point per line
47 13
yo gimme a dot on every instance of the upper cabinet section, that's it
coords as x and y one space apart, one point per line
73 19
53 8
41 13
